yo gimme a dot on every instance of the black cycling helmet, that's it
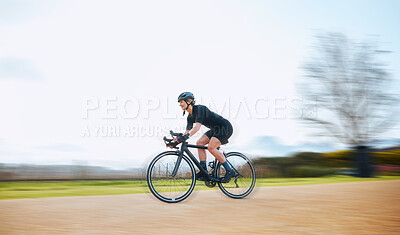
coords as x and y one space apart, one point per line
185 96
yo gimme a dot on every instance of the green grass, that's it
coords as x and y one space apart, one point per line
15 190
268 182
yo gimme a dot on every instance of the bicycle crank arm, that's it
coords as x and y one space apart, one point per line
215 179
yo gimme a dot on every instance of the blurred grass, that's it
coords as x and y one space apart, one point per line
268 182
16 190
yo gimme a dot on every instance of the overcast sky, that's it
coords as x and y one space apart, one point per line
97 81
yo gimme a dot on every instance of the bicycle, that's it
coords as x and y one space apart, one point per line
171 175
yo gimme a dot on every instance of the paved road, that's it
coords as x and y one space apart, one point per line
347 208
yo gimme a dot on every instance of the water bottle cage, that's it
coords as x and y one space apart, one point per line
211 165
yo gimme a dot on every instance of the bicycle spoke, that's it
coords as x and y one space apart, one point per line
163 185
243 183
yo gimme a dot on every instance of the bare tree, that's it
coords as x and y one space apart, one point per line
350 86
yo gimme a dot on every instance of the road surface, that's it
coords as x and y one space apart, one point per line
346 208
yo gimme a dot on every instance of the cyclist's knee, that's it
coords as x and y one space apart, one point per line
202 141
213 144
211 147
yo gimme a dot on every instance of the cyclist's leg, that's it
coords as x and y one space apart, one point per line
202 152
220 136
202 156
212 148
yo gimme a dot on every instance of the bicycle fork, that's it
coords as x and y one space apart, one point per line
178 163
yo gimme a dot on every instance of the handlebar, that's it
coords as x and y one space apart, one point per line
175 134
171 142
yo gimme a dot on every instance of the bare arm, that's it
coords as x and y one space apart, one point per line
195 129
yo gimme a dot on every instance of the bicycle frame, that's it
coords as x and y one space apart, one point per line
167 187
185 149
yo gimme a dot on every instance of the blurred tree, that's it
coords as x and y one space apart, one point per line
350 88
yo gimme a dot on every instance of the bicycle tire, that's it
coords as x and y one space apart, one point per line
243 183
165 187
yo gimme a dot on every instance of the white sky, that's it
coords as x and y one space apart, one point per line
57 55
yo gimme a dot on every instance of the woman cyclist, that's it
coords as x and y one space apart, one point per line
219 133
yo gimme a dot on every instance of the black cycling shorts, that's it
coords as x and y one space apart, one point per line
222 133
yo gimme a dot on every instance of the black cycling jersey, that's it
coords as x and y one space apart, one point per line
204 116
220 127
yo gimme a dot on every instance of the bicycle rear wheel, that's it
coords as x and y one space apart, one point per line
245 177
169 188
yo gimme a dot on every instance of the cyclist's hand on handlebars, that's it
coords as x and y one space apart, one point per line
175 138
182 138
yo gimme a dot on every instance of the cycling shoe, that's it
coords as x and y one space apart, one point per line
228 176
200 176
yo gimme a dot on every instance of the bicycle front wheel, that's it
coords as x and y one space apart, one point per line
245 177
166 187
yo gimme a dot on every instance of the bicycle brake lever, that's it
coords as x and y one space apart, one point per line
173 134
